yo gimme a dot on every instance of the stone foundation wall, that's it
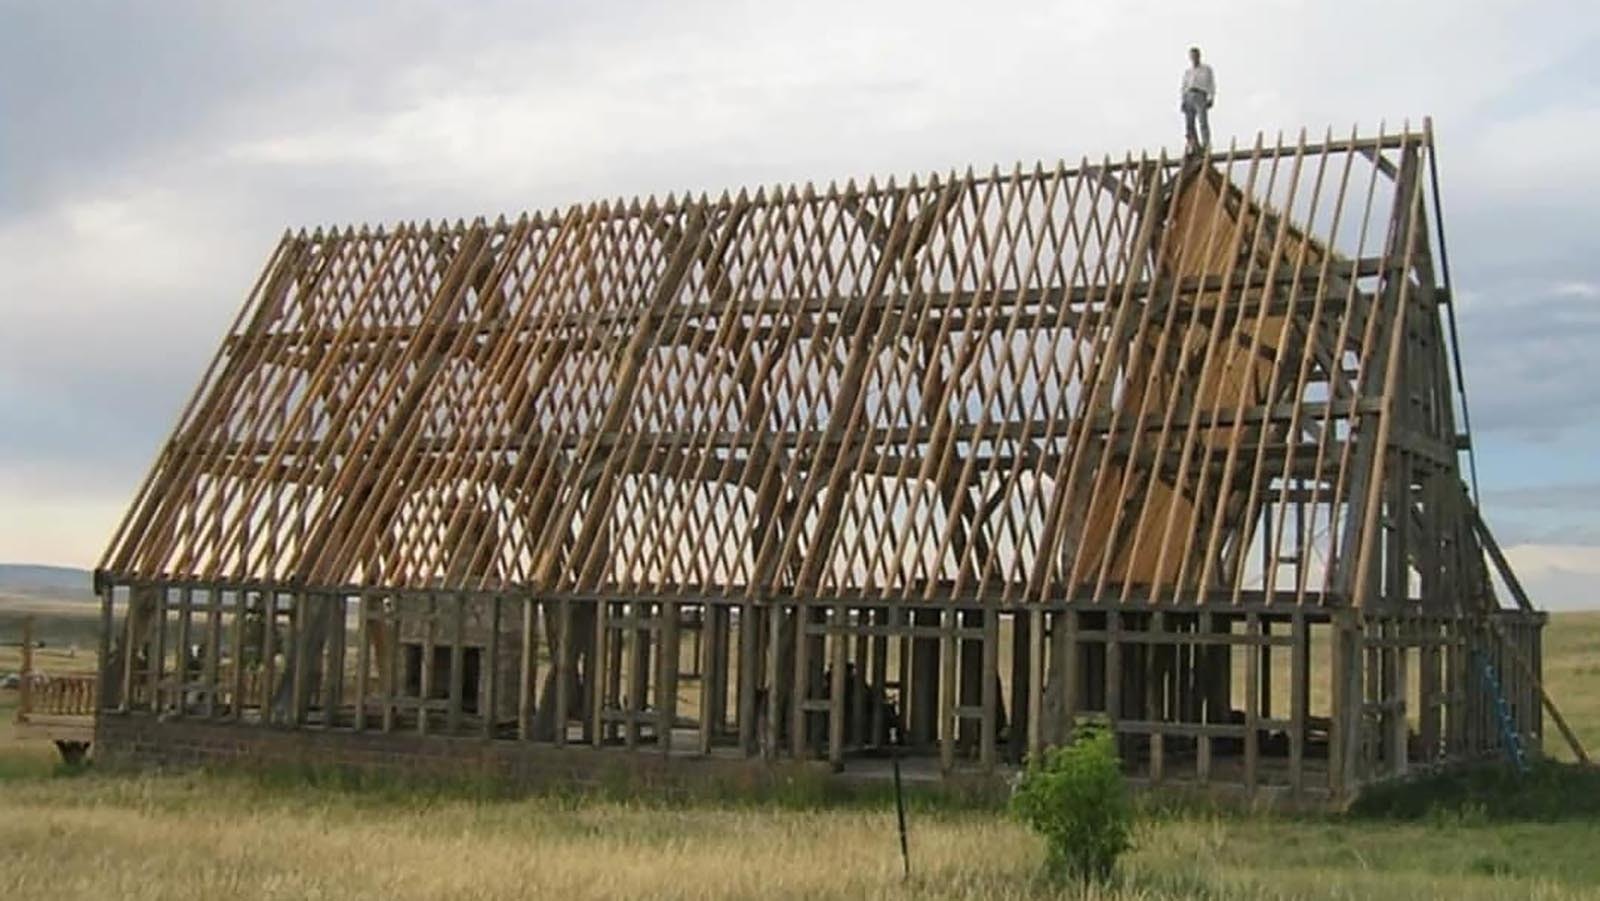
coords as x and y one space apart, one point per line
134 741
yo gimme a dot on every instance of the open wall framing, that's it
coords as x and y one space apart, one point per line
799 472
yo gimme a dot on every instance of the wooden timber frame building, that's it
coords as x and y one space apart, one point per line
958 462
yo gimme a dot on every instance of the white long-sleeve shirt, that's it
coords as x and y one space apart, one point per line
1199 78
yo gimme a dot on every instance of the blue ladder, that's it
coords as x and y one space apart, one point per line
1510 740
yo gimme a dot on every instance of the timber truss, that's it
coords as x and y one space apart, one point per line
1111 422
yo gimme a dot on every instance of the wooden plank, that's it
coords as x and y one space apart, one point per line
527 676
799 685
987 756
212 675
667 681
1036 670
105 677
948 723
749 677
771 714
363 660
1205 677
566 662
1299 700
300 659
241 605
158 659
335 614
716 432
598 688
1154 708
389 662
430 635
457 686
489 671
269 654
836 691
1252 707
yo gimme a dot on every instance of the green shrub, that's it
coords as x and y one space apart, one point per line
1076 798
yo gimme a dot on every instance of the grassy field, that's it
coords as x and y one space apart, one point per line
201 836
95 835
1572 677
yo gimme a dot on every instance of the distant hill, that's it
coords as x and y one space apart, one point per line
34 580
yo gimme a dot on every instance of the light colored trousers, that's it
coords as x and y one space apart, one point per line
1194 107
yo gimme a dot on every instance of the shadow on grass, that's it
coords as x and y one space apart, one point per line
18 766
800 790
1550 792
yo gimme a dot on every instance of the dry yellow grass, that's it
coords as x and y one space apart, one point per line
1572 676
203 837
197 836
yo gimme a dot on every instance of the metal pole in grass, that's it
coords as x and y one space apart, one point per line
900 799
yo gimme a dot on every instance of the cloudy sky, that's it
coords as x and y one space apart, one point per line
152 153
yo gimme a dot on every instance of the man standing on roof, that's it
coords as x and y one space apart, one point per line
1199 92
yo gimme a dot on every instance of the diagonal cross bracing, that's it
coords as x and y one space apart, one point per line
1160 380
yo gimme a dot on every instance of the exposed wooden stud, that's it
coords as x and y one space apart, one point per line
489 671
527 671
363 660
853 429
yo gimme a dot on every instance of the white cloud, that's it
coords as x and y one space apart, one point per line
1584 290
116 282
1558 577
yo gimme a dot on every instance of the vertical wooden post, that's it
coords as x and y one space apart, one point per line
1252 698
565 664
458 628
714 647
1154 712
749 677
1205 659
991 688
1344 736
336 615
430 627
1072 672
922 705
104 691
1428 682
1404 634
213 673
185 628
241 606
836 640
489 672
1299 697
879 651
774 681
300 659
527 680
158 660
599 689
1036 670
1264 706
667 675
860 687
269 654
388 667
948 719
1114 675
363 659
1021 650
130 650
801 684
